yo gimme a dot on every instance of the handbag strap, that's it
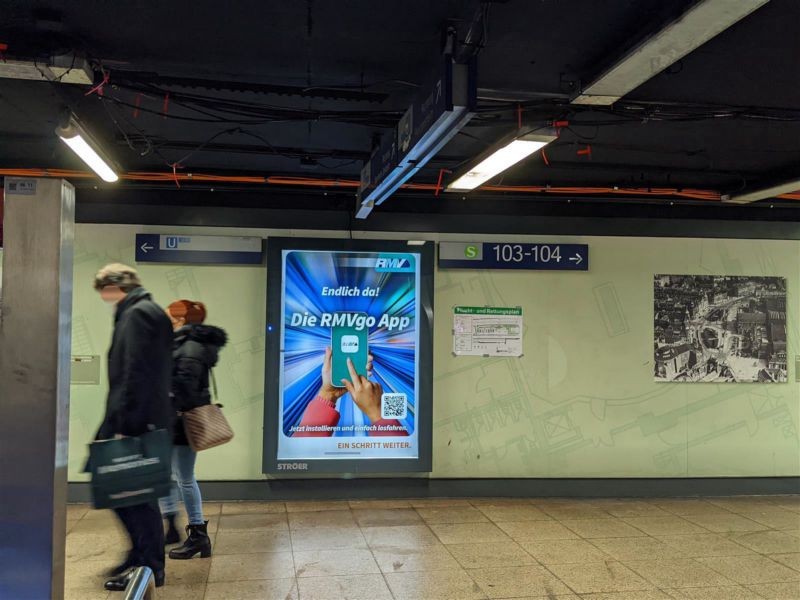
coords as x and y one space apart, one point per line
213 383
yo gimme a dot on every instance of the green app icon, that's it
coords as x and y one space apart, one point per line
348 342
471 251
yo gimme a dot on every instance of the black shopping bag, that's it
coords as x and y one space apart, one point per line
131 470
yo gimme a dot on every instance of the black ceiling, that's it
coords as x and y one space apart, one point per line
316 82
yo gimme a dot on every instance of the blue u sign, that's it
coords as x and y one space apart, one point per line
172 242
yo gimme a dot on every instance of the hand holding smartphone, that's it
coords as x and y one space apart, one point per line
352 343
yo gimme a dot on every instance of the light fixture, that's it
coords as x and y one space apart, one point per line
74 135
703 21
754 195
500 157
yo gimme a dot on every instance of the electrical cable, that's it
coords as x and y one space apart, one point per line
120 129
226 111
231 111
280 180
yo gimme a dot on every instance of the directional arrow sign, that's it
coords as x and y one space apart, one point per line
512 255
198 249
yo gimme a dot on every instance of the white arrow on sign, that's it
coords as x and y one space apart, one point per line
577 259
145 247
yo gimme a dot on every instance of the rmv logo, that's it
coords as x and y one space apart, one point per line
392 263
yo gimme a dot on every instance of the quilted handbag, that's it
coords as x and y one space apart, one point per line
206 426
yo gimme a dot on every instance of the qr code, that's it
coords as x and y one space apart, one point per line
393 406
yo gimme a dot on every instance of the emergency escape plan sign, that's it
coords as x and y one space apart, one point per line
487 331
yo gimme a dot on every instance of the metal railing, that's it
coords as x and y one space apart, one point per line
142 585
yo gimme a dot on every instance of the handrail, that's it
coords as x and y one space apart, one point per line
142 585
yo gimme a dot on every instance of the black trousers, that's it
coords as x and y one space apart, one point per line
144 527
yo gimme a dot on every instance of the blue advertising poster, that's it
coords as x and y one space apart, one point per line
349 360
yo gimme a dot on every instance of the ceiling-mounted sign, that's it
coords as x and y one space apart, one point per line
513 255
437 113
199 249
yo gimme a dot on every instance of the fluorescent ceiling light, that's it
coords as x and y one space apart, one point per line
763 193
703 21
81 143
499 160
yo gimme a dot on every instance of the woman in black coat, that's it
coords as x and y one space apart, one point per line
195 352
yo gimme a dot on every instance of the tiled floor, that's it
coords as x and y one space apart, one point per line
712 548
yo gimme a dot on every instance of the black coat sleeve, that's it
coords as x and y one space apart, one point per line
186 383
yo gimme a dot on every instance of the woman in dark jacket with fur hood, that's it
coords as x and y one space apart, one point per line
195 352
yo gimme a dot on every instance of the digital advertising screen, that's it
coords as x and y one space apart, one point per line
349 356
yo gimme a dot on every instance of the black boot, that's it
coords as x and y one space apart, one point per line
198 541
171 536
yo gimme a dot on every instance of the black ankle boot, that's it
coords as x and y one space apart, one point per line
198 541
171 536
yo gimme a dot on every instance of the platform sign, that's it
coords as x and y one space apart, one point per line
199 249
513 255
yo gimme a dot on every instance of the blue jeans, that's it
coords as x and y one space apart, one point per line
185 484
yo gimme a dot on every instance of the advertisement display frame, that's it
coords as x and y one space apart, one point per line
275 322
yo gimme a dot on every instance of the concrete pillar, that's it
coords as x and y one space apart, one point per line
35 340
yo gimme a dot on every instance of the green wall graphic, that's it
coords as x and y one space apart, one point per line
580 402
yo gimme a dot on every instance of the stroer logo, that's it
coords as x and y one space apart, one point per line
349 344
395 264
293 466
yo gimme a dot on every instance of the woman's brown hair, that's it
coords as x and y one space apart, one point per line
192 312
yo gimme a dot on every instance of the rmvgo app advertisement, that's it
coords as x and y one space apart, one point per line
349 363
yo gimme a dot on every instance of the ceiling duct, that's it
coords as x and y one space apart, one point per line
65 68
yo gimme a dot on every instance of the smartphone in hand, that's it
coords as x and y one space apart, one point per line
348 342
